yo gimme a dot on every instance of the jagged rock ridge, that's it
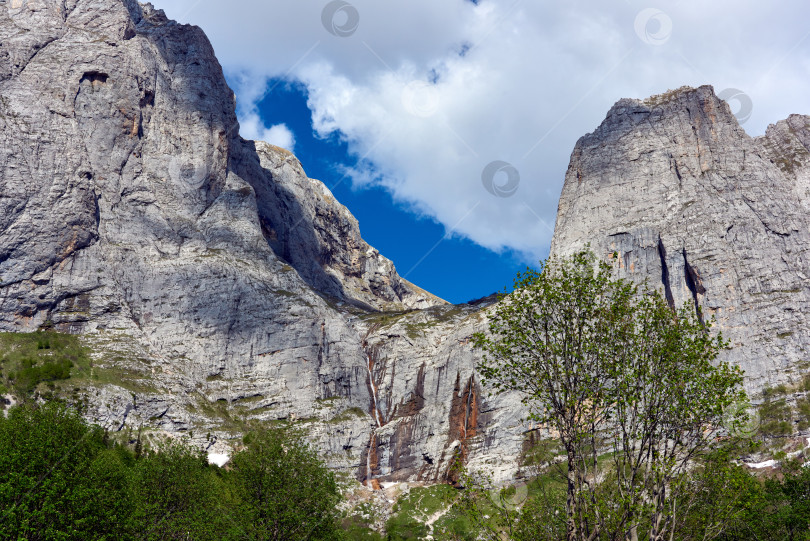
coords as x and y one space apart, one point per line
689 202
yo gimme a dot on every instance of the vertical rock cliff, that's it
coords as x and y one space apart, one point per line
675 189
216 283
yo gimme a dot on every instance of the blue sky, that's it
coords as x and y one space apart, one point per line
407 105
450 266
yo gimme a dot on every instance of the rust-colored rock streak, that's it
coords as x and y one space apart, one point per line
464 412
372 460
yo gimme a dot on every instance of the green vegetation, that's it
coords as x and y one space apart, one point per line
413 509
436 315
775 418
284 491
415 330
348 414
608 366
779 390
721 500
127 378
46 364
383 319
803 407
358 530
443 314
33 362
425 501
61 478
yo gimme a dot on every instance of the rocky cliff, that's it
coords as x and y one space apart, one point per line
675 189
216 283
219 286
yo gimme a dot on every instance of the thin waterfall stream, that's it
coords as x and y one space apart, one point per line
375 413
467 408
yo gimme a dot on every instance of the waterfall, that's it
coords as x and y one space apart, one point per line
467 409
375 413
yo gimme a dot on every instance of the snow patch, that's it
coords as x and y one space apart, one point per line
766 464
220 459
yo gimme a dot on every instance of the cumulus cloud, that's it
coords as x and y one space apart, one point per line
252 127
428 94
251 89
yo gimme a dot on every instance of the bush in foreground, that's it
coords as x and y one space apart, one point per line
61 478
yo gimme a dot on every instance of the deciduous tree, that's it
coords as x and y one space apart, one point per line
611 368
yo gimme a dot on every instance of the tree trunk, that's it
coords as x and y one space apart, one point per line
570 502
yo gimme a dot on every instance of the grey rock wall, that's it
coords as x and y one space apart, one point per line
218 285
687 201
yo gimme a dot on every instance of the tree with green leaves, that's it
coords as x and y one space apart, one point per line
631 387
178 495
63 478
286 491
58 478
719 498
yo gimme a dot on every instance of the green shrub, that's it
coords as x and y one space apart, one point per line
284 490
402 527
30 359
61 478
358 530
775 418
179 495
30 374
58 479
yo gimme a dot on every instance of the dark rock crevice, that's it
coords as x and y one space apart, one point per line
662 253
95 78
695 285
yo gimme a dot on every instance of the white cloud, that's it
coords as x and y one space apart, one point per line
533 78
252 127
251 90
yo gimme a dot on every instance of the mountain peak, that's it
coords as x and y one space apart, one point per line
698 209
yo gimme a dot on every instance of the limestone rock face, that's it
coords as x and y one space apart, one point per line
306 226
216 283
219 286
675 189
